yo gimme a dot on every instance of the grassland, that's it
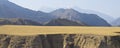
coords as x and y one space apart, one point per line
34 30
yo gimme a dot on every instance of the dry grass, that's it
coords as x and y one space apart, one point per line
34 30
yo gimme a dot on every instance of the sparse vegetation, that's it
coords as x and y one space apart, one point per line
33 30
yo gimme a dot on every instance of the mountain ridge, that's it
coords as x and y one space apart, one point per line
11 10
89 19
63 22
106 17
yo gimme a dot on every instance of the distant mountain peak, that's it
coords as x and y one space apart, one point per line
70 9
71 14
65 13
66 10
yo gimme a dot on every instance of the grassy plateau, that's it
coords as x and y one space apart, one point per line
34 30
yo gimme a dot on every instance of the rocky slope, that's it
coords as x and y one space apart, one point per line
64 22
89 19
11 10
59 41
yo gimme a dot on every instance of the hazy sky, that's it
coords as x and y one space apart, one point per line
109 7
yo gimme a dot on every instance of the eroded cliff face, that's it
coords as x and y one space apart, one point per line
60 41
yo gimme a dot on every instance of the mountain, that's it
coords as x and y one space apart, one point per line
106 17
116 22
63 22
16 21
89 19
11 10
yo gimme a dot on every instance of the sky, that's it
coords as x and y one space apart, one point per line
109 7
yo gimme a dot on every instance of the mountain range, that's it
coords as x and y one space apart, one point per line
106 17
11 10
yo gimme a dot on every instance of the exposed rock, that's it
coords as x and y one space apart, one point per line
64 22
88 19
60 41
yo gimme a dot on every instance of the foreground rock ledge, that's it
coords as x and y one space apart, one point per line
59 41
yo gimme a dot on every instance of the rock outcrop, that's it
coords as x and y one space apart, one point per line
60 41
64 22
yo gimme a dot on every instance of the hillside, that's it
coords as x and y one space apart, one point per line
106 17
17 21
11 10
33 30
63 22
89 19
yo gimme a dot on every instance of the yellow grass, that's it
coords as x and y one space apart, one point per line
34 30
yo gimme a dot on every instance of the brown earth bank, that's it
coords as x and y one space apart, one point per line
59 41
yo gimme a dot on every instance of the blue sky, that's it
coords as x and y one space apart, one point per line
109 7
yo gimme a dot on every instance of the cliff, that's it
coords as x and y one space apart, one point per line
59 41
